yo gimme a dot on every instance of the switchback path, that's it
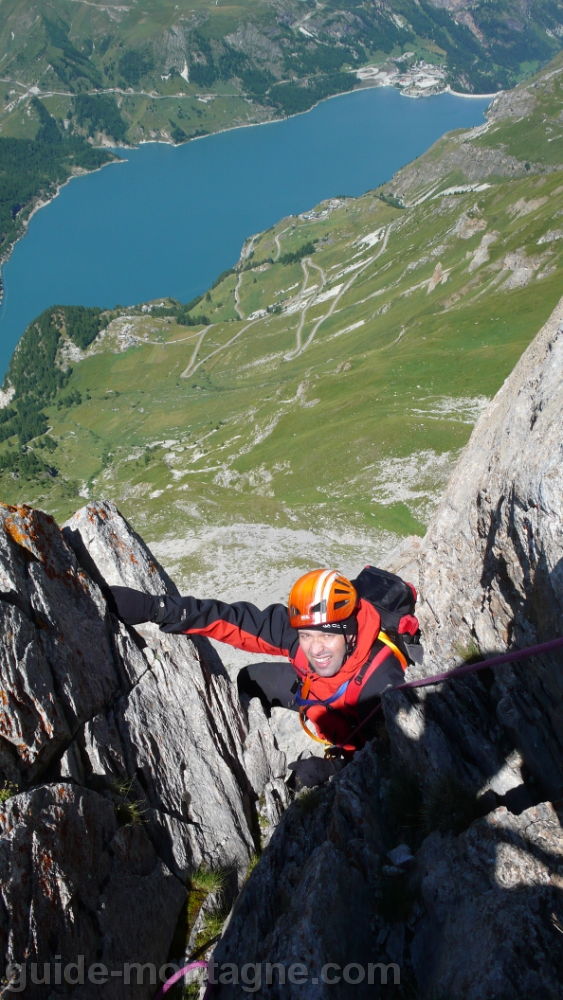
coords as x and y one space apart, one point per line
299 348
187 371
237 299
307 306
192 368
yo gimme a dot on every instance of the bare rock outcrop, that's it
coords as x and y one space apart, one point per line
476 163
492 900
491 564
77 884
128 751
57 663
313 899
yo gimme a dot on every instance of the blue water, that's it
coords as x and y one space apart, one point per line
168 220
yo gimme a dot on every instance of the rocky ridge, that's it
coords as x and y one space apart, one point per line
131 758
462 154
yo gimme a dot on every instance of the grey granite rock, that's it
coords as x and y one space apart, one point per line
178 734
182 732
75 883
491 565
290 738
266 768
108 548
311 900
493 899
56 662
147 764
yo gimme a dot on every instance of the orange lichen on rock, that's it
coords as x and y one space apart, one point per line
17 535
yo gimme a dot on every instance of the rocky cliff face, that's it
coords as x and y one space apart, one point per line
131 757
491 565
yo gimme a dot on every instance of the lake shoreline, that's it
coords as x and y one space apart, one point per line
64 275
229 128
365 85
42 203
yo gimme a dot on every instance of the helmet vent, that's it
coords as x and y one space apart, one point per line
322 597
320 607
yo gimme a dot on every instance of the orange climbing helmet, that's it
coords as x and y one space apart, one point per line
322 597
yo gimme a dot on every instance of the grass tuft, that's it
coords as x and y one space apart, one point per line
209 880
469 651
308 800
252 863
127 810
8 790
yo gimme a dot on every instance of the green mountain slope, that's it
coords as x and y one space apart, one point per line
332 376
156 56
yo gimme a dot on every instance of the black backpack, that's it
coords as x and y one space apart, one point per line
395 600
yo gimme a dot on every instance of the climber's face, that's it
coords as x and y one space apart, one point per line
325 653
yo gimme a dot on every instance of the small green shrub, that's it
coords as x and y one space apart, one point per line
8 790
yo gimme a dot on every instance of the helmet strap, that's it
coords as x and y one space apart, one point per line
350 644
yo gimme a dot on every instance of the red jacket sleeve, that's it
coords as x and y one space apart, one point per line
242 625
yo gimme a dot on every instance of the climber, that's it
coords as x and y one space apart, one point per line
341 660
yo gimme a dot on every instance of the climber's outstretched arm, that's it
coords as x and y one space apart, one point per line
241 624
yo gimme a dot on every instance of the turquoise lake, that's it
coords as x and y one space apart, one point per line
169 219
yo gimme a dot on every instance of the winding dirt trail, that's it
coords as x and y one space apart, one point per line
192 368
237 298
303 347
187 371
277 241
304 263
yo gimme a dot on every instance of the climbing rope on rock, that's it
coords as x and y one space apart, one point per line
469 668
177 976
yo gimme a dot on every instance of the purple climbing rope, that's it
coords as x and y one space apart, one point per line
469 668
466 668
495 661
178 975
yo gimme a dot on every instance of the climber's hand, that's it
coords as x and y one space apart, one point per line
314 771
132 606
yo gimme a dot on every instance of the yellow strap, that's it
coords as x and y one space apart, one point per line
385 638
317 739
